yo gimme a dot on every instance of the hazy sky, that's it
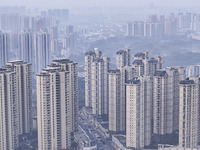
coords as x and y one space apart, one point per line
91 3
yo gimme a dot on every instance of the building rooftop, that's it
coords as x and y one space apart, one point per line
42 74
153 60
187 81
114 71
54 69
90 53
2 70
16 62
62 61
138 62
133 81
121 52
142 55
161 73
53 65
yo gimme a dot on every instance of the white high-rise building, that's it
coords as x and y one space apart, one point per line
191 71
8 111
42 51
154 64
23 72
99 85
26 47
57 105
117 91
117 99
138 112
166 100
69 29
177 74
96 82
129 28
4 48
162 104
68 41
144 65
72 67
123 58
16 103
89 57
53 32
189 113
141 63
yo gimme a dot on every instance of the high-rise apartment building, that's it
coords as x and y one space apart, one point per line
42 51
138 112
162 104
23 83
177 74
72 68
123 58
57 100
89 57
53 32
191 71
96 82
8 112
68 41
99 82
69 29
16 103
189 113
145 65
117 94
166 100
129 31
117 112
4 48
26 47
140 63
154 64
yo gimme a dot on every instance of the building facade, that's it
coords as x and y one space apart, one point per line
8 111
16 103
96 82
116 101
189 113
4 48
89 58
123 58
26 47
139 112
57 100
23 72
166 100
42 53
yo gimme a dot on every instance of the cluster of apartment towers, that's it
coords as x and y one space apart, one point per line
57 104
143 99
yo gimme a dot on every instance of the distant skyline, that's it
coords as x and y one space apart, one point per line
44 4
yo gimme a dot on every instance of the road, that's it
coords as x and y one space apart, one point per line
102 142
